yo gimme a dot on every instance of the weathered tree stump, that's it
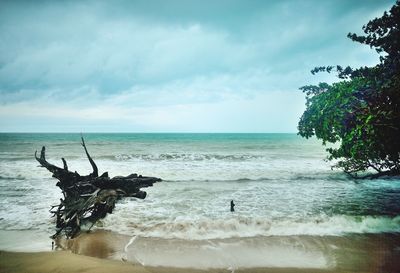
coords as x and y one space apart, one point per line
91 197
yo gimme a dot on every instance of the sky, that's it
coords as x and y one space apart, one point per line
173 65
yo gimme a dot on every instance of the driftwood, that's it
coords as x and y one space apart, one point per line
89 198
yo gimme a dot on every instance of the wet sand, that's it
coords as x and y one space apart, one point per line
66 262
105 251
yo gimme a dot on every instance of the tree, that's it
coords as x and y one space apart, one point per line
89 198
361 112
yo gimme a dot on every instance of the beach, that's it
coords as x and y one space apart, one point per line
104 252
64 262
61 262
200 136
292 214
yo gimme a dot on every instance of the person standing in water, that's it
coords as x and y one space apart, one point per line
232 206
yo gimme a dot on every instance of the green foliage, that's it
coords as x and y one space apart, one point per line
362 111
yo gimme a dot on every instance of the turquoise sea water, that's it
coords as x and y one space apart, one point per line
280 183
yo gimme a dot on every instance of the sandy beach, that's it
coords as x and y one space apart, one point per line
104 251
172 136
66 262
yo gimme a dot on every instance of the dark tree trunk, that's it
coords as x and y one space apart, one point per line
90 197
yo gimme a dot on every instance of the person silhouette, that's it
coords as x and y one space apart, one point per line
232 206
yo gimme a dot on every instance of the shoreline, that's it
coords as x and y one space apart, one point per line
67 262
107 251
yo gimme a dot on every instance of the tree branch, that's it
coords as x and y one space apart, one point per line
95 172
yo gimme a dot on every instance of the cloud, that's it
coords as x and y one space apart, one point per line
258 113
144 63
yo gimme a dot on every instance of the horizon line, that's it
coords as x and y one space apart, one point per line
124 132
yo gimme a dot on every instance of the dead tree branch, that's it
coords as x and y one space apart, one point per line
89 198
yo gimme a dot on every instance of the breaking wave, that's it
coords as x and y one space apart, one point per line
182 157
250 227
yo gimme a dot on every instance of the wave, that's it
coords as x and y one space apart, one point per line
6 158
316 176
218 180
240 227
182 157
18 177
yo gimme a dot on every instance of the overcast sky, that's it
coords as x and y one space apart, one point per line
170 66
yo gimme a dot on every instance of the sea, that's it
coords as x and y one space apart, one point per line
287 198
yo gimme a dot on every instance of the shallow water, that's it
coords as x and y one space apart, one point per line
349 253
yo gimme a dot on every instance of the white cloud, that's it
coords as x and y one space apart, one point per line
259 113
